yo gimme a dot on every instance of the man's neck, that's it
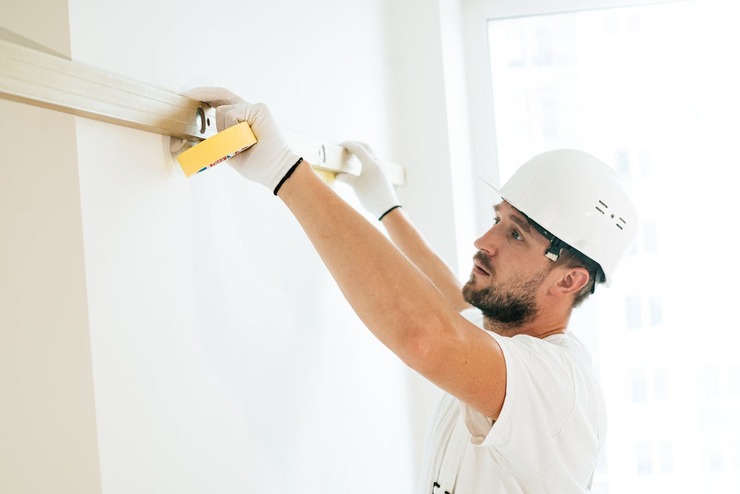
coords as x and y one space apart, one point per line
539 328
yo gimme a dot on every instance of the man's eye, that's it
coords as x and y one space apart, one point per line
516 235
496 220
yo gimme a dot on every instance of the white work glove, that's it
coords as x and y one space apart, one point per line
372 187
270 160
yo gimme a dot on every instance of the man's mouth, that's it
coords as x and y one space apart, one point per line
481 265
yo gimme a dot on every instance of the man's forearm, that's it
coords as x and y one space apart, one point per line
407 238
395 300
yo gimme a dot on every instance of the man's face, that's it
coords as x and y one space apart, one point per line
508 269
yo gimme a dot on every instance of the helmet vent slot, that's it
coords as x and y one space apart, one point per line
601 207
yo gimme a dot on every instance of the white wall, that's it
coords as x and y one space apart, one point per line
223 357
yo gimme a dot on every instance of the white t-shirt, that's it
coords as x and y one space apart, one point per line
547 437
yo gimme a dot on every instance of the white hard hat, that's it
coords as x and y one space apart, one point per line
578 199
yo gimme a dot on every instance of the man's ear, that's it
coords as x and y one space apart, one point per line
572 281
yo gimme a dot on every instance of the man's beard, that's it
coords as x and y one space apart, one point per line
511 306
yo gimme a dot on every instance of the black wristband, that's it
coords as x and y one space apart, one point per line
287 176
391 209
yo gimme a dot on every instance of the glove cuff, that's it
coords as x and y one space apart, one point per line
391 209
287 176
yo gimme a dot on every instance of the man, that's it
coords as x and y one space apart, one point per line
522 410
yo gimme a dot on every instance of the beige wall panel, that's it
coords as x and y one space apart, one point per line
48 437
41 21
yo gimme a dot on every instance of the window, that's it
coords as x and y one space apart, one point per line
639 386
665 454
644 459
656 311
633 311
650 237
652 90
649 385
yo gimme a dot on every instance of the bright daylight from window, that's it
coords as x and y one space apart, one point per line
653 90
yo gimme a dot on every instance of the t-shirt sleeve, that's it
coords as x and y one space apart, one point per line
539 398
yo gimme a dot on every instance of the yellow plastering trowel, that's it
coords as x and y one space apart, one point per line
217 148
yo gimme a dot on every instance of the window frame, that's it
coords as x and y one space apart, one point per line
481 111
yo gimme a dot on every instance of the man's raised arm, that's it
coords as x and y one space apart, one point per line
377 196
394 299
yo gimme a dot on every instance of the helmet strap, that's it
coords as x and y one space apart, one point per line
553 251
556 245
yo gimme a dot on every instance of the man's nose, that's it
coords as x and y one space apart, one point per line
487 243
